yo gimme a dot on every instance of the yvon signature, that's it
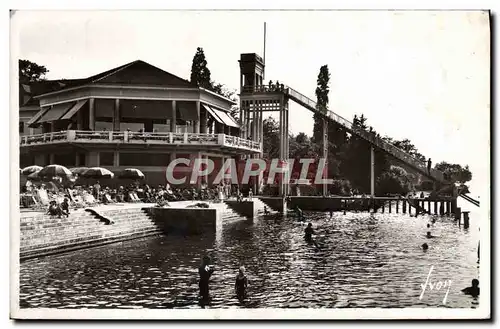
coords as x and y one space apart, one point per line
440 285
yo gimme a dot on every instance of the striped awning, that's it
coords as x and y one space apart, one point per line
212 113
34 120
225 117
74 109
55 112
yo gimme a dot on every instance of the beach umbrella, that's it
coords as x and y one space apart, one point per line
34 176
78 170
131 173
54 171
97 173
31 169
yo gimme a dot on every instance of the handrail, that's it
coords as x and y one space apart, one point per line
468 198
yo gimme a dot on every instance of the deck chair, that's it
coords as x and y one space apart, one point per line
135 197
43 197
89 200
108 199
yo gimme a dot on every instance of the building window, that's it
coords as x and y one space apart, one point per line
144 159
21 127
106 158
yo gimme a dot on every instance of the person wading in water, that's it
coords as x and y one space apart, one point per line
205 270
241 284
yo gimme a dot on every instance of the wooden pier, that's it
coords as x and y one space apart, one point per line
440 205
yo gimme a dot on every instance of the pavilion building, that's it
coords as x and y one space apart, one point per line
135 115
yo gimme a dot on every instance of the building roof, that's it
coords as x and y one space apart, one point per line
134 73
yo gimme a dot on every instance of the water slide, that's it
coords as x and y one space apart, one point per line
468 198
420 166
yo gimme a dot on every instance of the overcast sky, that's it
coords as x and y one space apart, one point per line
415 74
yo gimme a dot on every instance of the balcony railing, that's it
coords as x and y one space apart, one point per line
128 137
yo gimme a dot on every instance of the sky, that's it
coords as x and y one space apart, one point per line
419 75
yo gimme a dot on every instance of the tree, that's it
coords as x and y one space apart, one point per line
356 163
31 72
394 181
322 91
231 94
407 146
454 172
200 74
271 141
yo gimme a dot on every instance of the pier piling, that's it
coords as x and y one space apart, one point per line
466 219
397 206
404 206
458 214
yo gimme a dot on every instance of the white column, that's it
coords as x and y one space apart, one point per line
173 120
197 122
116 115
91 114
325 153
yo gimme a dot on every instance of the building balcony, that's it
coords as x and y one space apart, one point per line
139 138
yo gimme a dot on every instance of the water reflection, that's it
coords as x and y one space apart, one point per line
362 260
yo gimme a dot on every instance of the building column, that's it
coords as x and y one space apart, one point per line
173 121
197 122
40 160
325 153
116 115
116 158
247 120
282 151
92 113
79 119
52 158
372 171
203 125
77 159
287 145
92 159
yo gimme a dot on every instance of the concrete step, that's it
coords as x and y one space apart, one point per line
101 232
45 251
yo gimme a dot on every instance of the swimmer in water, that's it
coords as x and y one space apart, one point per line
299 212
429 235
205 270
241 284
474 290
425 246
308 232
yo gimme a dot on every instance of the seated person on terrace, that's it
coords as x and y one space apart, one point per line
54 209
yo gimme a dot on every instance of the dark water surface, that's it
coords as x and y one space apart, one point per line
363 260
